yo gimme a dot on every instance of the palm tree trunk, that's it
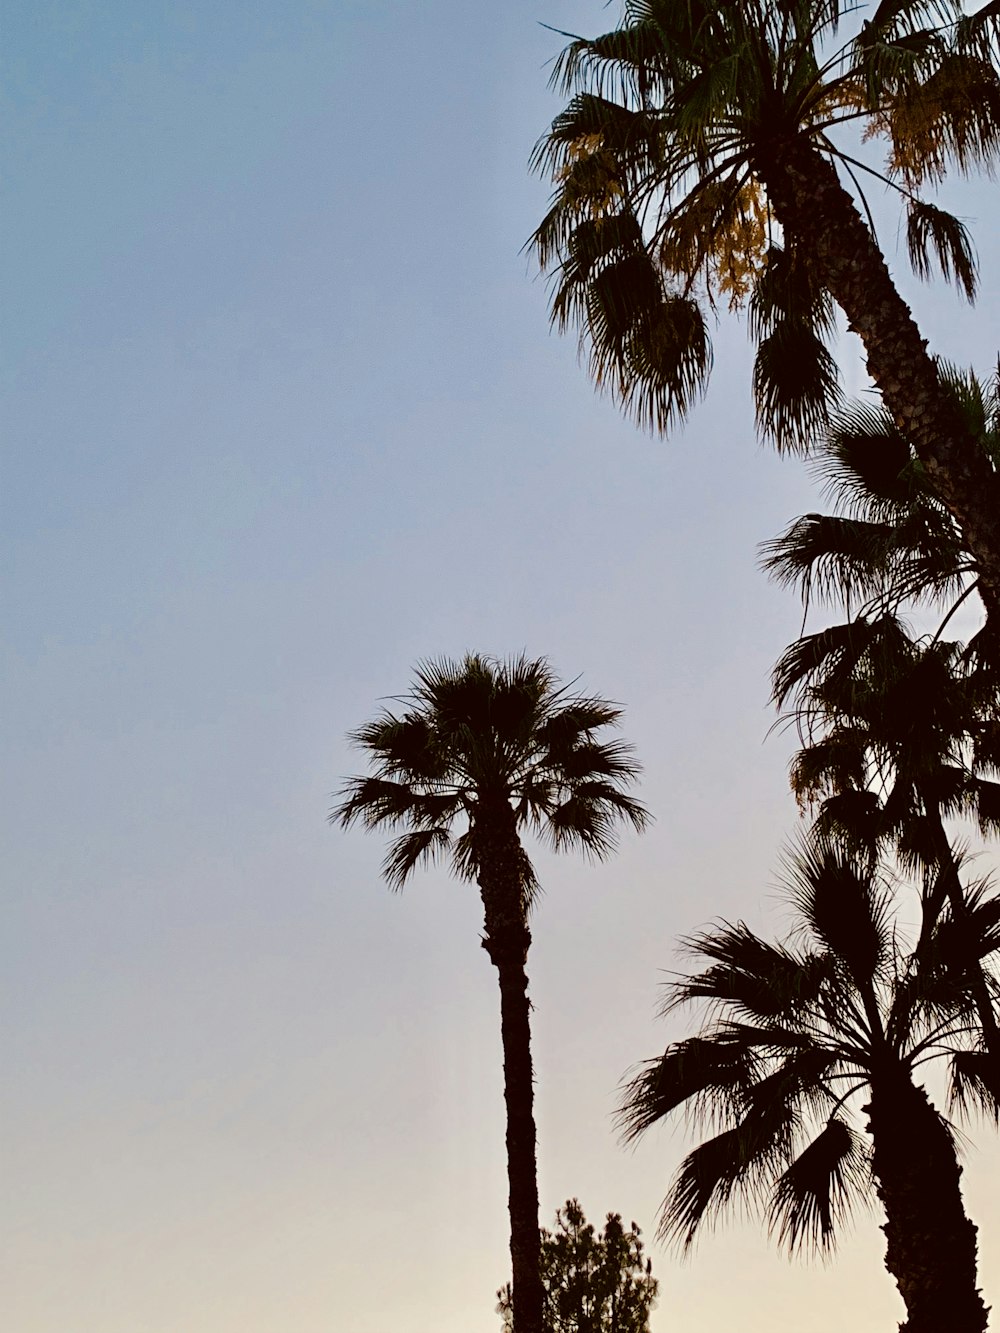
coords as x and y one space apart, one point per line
507 940
816 212
930 1243
521 1167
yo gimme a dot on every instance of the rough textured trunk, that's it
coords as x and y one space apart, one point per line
930 1243
507 940
816 212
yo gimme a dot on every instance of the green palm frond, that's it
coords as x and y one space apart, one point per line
819 1188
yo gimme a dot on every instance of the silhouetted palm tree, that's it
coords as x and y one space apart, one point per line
695 163
481 751
796 1036
899 732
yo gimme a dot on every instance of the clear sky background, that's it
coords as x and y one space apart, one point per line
283 417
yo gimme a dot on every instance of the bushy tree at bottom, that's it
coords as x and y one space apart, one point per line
593 1283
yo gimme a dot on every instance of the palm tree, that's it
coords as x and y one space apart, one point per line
696 162
898 732
802 1038
482 750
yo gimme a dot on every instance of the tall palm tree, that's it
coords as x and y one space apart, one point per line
803 1038
698 161
481 751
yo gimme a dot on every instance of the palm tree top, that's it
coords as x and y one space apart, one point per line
795 1031
667 185
480 735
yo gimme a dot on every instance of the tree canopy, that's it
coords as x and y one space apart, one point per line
595 1282
707 154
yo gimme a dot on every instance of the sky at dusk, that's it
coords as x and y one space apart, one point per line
284 416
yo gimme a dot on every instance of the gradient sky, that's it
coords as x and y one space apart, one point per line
285 418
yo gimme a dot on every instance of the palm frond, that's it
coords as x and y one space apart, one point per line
986 804
833 654
498 744
867 464
375 802
706 1071
950 116
844 558
420 847
963 939
591 816
930 228
796 386
787 292
819 1187
854 818
831 766
843 905
975 1084
749 975
405 746
584 760
738 1160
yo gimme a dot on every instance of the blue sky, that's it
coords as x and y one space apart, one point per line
284 417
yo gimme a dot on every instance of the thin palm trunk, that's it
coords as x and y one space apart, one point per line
930 1242
521 1169
815 210
507 941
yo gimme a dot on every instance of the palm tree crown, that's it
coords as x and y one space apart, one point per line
477 735
795 1034
698 161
